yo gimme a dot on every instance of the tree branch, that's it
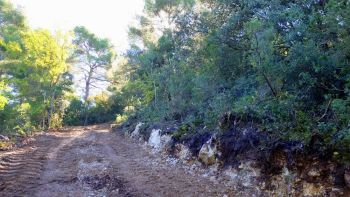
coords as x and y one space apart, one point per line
326 111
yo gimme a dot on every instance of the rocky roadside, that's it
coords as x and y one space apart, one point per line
304 176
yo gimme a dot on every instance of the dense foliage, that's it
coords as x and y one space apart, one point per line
33 74
94 55
36 76
282 65
102 109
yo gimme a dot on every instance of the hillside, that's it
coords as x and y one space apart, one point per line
250 95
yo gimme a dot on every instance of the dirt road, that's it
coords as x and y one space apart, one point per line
93 161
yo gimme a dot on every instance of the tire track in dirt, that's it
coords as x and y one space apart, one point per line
20 170
140 168
79 167
93 161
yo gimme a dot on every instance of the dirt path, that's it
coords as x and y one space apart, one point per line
94 162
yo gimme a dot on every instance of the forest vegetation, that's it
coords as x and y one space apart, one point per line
280 65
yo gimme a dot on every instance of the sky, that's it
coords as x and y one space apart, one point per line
106 18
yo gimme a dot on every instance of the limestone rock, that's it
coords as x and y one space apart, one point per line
136 132
155 139
159 142
207 153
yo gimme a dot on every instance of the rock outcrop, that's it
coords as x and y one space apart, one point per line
232 158
136 131
207 154
155 139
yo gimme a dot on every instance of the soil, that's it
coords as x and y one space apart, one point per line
93 161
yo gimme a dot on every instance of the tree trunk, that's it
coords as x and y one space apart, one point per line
262 71
43 122
52 108
86 96
155 95
270 85
44 115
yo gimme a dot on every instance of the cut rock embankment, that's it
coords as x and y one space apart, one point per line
232 161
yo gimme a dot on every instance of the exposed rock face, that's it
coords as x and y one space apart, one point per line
282 183
155 139
136 132
182 152
233 159
207 154
159 142
311 189
244 178
165 141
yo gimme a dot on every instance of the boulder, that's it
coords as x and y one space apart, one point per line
159 142
136 132
207 154
155 139
4 138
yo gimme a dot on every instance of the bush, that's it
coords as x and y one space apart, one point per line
102 109
73 115
121 118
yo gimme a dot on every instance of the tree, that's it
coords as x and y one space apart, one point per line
3 99
43 63
94 56
37 73
104 108
73 114
11 23
282 64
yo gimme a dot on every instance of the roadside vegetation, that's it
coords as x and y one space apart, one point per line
36 76
281 66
